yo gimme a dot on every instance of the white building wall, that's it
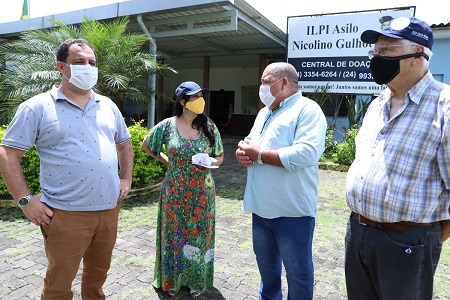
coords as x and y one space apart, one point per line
229 79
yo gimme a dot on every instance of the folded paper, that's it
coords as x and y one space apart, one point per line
203 159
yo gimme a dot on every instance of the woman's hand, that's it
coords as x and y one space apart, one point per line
200 168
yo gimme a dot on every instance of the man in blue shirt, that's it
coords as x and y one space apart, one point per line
281 154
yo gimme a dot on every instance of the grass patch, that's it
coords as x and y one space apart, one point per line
333 276
246 246
141 291
138 217
219 268
442 275
140 210
330 226
118 260
139 261
338 204
228 208
18 252
18 228
231 193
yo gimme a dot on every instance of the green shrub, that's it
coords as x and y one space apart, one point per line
146 170
330 142
3 189
30 167
330 145
345 151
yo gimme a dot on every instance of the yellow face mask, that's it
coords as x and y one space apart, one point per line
197 106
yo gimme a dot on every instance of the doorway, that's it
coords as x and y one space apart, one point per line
221 106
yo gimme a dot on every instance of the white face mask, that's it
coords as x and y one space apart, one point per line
266 95
83 76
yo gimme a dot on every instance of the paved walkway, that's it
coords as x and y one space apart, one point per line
23 262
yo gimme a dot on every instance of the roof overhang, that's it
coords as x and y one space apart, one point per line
180 28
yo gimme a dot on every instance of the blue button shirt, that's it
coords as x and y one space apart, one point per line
297 131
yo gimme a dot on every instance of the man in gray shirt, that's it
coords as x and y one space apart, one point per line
82 140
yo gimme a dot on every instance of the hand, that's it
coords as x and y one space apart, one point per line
445 230
241 155
125 186
38 213
200 168
247 153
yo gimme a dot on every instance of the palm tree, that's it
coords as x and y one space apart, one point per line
29 67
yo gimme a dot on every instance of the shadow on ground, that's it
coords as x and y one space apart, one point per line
184 294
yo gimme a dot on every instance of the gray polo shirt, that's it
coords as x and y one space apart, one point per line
77 149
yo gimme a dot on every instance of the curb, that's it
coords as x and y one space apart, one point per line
148 188
333 167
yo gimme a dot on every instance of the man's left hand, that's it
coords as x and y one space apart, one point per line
445 230
125 186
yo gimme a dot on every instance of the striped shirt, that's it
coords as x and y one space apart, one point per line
402 164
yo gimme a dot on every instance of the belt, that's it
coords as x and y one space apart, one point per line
398 226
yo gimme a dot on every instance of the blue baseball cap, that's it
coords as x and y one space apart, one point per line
411 29
188 88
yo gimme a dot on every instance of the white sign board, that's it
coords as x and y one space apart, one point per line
327 50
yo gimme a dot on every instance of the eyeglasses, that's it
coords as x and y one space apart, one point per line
385 50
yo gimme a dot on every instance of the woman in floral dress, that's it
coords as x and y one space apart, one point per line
186 216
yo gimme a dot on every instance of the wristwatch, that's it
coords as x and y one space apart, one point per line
259 159
24 201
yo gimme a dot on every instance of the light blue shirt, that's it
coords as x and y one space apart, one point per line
76 147
297 131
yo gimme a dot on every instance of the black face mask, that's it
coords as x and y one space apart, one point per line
385 68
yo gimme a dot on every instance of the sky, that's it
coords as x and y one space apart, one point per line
277 11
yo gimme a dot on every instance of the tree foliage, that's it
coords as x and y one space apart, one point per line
30 63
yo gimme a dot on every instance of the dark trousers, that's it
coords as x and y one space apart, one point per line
382 264
286 240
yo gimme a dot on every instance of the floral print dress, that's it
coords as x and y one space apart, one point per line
185 237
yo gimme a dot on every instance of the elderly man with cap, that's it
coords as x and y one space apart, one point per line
186 216
398 187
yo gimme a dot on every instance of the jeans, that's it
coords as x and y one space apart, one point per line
288 241
383 264
71 237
